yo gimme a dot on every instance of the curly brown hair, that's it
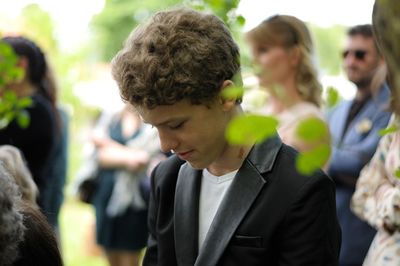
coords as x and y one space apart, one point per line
289 31
180 54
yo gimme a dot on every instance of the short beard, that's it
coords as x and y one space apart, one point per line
363 84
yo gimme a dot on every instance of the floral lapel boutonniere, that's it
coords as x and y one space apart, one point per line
364 126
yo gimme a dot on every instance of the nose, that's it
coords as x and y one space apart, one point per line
168 141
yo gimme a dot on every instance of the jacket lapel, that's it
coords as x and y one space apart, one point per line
186 215
239 198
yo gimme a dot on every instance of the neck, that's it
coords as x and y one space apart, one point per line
288 97
231 157
231 160
363 93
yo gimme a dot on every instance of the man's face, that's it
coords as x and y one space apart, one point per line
194 132
360 60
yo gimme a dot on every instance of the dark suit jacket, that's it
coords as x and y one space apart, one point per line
270 215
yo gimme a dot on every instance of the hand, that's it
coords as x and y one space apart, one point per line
101 141
137 160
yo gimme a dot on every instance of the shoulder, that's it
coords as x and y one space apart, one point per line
308 109
299 112
285 174
40 103
276 162
338 110
41 108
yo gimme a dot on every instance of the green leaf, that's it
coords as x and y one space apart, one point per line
397 173
232 92
332 97
8 116
16 73
10 96
310 161
240 20
312 129
23 119
387 130
5 49
249 129
24 103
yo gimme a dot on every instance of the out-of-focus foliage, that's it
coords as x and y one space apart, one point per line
224 9
315 133
9 72
388 130
329 43
248 129
11 107
308 162
332 97
39 25
312 130
397 173
119 17
233 92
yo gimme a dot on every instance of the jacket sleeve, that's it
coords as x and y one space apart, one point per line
310 234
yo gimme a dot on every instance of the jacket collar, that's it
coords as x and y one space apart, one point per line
244 189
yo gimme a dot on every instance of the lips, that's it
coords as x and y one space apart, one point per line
184 155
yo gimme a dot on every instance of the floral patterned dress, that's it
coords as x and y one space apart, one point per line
377 199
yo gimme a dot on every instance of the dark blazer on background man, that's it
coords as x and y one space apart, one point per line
270 215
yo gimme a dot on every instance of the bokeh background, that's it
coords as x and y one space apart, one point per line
81 36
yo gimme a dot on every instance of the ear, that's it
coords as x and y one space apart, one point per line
227 103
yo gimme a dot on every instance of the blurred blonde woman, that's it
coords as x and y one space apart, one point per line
283 50
14 162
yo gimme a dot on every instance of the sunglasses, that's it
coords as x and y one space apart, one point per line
358 54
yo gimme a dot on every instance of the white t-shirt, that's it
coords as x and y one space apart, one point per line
213 189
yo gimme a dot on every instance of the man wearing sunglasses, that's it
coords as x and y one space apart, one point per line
354 127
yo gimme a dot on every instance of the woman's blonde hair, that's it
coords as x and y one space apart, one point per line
288 32
15 164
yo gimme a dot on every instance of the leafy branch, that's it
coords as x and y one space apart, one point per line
11 107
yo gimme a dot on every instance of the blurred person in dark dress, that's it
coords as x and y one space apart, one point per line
124 147
44 142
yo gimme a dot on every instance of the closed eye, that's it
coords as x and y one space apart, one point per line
262 49
175 126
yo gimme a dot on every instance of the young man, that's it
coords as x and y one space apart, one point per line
354 128
213 203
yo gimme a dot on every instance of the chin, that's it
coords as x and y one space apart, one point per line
197 166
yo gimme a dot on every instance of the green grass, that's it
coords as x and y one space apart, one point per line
75 217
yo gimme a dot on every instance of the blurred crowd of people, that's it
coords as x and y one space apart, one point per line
123 150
